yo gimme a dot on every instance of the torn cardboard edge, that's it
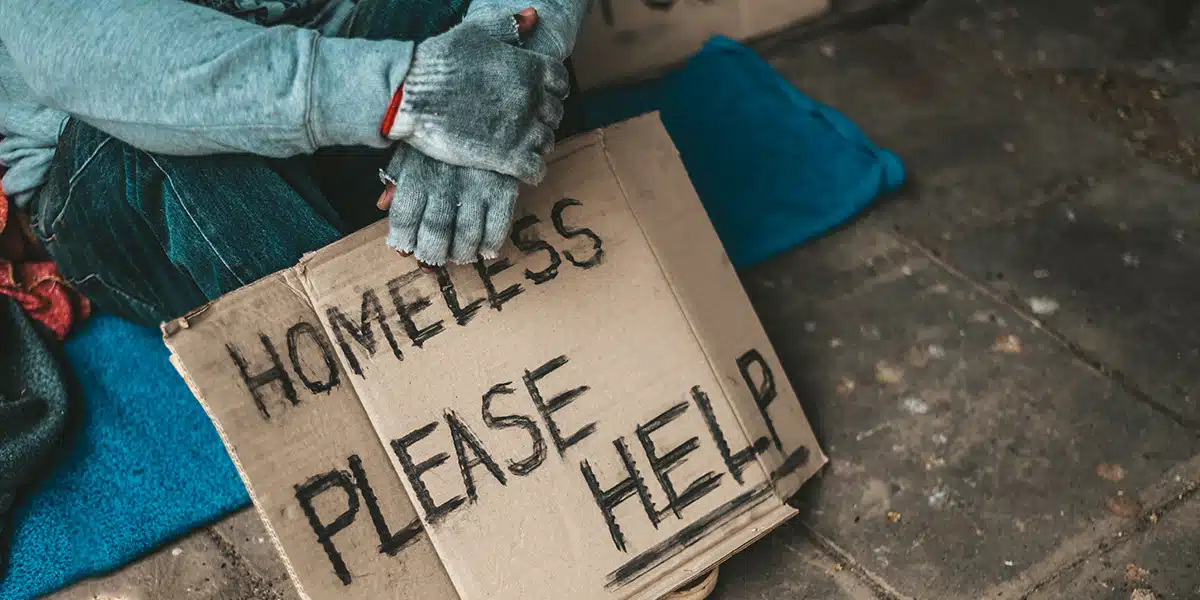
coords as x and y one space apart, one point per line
674 234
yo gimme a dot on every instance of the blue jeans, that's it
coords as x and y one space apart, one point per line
151 237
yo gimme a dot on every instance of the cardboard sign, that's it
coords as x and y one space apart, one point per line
597 414
625 40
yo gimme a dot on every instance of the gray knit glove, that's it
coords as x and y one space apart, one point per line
442 212
474 99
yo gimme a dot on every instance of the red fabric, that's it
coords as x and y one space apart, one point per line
34 282
389 118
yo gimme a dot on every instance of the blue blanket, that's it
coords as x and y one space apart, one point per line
772 167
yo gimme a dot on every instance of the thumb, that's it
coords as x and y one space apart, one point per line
526 20
505 26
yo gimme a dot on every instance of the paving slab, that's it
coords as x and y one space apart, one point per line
1131 66
786 564
196 567
979 146
965 441
245 534
1113 270
1063 34
996 177
1161 563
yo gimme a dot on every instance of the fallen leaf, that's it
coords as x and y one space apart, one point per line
1123 506
885 373
1008 344
893 516
838 567
1135 574
1110 472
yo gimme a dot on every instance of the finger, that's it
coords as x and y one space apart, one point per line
498 220
528 166
540 138
551 111
505 27
468 232
437 224
556 79
385 199
526 20
404 217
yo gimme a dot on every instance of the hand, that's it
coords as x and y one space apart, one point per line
473 99
429 218
441 212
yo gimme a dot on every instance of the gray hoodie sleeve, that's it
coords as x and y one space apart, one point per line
174 78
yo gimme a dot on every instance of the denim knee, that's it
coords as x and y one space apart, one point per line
83 219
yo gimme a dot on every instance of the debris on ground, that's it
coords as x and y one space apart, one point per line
1135 574
1143 594
1042 306
1008 344
893 516
915 406
1124 506
887 374
1111 472
846 386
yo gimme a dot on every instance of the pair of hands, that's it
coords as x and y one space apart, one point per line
477 114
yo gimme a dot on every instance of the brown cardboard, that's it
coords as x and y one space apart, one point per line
612 345
625 40
304 440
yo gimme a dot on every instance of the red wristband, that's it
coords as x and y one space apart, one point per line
389 118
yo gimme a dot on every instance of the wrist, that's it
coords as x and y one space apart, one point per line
388 128
351 82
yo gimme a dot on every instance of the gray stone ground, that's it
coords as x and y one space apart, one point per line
1002 354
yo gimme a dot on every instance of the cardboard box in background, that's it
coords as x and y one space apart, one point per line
598 414
627 40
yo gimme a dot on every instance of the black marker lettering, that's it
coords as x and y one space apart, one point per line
538 456
663 465
389 543
609 499
763 394
734 462
406 310
362 333
462 315
556 215
433 512
534 244
256 382
555 404
486 272
464 440
307 492
293 343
